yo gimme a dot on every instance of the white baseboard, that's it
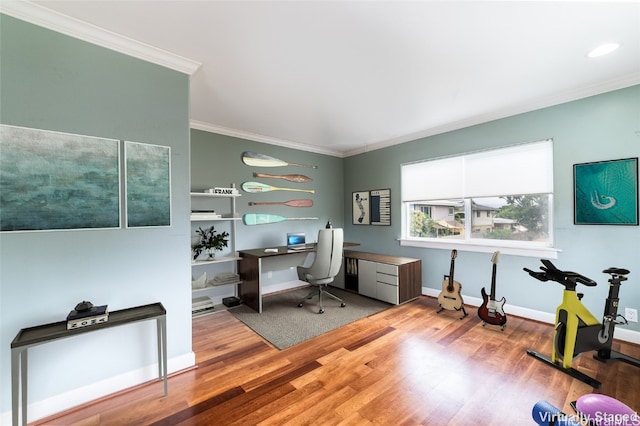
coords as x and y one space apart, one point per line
546 317
73 398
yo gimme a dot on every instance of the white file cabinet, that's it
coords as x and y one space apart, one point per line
391 279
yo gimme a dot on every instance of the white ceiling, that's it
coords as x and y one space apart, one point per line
343 77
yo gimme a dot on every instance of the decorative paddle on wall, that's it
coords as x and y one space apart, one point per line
291 203
255 187
263 218
290 178
260 160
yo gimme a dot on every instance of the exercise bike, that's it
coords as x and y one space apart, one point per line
577 330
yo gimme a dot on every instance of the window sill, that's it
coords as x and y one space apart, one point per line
461 245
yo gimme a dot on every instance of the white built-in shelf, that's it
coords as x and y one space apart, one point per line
230 262
216 308
201 217
216 260
209 195
211 284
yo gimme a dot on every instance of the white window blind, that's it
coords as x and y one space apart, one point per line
517 170
440 179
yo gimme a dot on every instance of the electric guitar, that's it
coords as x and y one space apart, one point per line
491 311
450 297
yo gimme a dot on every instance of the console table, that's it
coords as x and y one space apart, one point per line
33 336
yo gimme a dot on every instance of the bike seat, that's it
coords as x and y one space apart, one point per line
616 271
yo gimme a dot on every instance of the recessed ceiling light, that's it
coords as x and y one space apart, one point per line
603 50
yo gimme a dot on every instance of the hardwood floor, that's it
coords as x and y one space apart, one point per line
403 366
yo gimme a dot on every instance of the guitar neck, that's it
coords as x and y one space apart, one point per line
451 271
493 282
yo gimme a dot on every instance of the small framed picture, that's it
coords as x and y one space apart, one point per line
380 201
148 184
606 192
361 208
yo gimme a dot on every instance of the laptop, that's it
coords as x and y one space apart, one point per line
297 241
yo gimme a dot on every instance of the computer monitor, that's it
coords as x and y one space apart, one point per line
296 239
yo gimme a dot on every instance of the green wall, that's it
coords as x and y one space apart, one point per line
54 82
216 160
602 127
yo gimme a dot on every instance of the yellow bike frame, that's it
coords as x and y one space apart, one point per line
575 312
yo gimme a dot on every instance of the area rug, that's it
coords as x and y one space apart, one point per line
284 324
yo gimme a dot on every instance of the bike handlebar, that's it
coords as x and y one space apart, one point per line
567 278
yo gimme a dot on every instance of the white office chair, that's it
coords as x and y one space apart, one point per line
325 266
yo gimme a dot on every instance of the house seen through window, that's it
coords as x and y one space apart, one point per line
501 197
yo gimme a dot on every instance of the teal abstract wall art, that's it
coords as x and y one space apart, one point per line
148 184
57 181
606 192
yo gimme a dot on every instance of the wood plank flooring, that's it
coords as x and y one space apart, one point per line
404 366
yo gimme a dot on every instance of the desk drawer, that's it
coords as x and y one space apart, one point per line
387 269
387 279
387 293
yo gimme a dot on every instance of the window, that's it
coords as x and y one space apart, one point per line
506 193
426 210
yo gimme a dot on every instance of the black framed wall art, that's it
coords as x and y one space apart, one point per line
380 202
372 207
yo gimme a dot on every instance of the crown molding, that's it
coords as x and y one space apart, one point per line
599 88
47 18
199 125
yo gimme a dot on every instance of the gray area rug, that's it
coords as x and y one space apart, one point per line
284 324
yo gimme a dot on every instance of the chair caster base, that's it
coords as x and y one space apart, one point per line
321 311
299 305
342 305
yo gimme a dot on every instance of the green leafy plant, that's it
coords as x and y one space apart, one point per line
210 240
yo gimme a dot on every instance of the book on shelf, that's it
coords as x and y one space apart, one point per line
221 191
201 304
226 278
205 215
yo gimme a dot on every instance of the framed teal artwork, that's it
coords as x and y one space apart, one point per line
148 184
606 192
58 181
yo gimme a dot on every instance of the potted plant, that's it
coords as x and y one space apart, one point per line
210 242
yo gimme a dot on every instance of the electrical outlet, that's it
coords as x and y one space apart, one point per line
631 314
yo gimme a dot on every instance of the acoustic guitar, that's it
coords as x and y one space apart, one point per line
450 297
491 311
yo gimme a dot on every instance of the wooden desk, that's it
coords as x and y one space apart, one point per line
34 336
250 270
